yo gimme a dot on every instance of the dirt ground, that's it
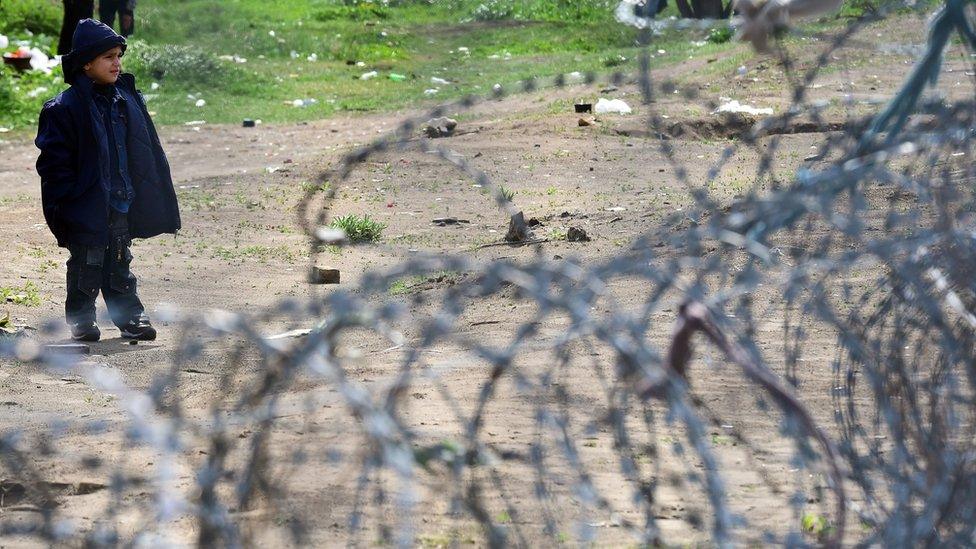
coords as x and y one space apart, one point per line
241 250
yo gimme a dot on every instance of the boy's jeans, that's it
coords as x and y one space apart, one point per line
94 268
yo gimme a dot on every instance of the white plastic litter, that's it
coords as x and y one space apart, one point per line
194 122
368 75
438 81
735 106
312 57
617 106
235 58
41 62
304 102
4 42
431 91
200 102
154 86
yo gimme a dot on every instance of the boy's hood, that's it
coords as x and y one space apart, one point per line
91 38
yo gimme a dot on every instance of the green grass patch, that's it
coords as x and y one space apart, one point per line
359 229
21 198
35 16
27 294
309 187
557 234
263 254
197 200
254 59
817 526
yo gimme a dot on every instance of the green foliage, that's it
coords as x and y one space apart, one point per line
858 8
720 34
557 234
817 526
359 229
23 94
35 16
855 9
535 10
21 295
171 63
296 49
263 254
310 187
507 193
358 12
494 10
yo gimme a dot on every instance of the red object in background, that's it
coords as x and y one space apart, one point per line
389 204
18 60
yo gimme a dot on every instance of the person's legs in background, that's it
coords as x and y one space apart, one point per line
107 10
127 21
74 11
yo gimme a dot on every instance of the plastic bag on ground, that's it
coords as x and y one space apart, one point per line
617 106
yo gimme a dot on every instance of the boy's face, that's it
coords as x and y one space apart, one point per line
105 68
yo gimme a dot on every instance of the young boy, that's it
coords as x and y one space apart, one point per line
104 180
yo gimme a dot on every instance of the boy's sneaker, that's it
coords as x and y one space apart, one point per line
139 328
85 331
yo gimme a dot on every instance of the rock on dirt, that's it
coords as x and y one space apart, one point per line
323 275
68 348
517 230
440 127
576 234
445 221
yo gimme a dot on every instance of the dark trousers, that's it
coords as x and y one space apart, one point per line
74 11
106 14
91 269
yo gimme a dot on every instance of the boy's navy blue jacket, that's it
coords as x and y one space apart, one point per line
74 168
